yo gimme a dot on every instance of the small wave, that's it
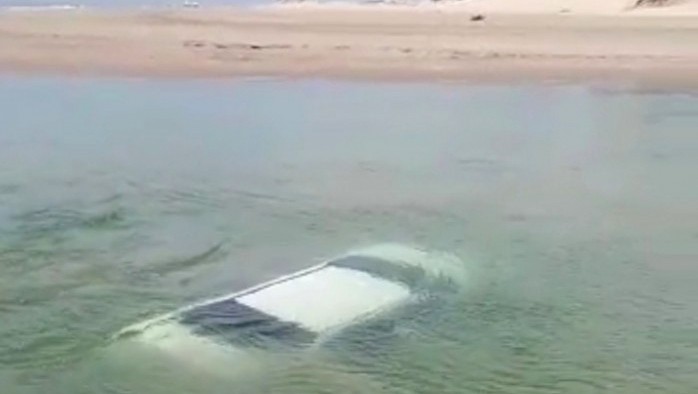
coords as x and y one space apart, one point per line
9 188
210 255
36 295
434 263
50 220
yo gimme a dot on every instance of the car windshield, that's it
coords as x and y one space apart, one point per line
236 324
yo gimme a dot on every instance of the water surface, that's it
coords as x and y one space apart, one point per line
573 208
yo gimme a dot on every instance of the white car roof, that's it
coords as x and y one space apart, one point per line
327 298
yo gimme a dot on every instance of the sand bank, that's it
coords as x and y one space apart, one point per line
655 46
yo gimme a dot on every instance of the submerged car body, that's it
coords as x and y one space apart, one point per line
304 309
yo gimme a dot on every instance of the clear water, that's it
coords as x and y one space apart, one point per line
574 209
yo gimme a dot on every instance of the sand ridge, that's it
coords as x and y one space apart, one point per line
355 42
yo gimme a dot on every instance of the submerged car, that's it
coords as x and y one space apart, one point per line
305 309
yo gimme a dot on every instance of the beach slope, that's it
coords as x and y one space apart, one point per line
651 45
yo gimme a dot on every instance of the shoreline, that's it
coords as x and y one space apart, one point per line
649 49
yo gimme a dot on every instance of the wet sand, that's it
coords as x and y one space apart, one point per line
647 47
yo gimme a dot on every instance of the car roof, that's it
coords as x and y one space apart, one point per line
327 298
297 308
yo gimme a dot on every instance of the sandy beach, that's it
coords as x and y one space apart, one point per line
548 40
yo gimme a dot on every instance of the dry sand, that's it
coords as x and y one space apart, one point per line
549 40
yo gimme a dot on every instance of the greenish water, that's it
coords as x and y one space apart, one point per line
574 209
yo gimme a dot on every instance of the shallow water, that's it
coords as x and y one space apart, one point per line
573 210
